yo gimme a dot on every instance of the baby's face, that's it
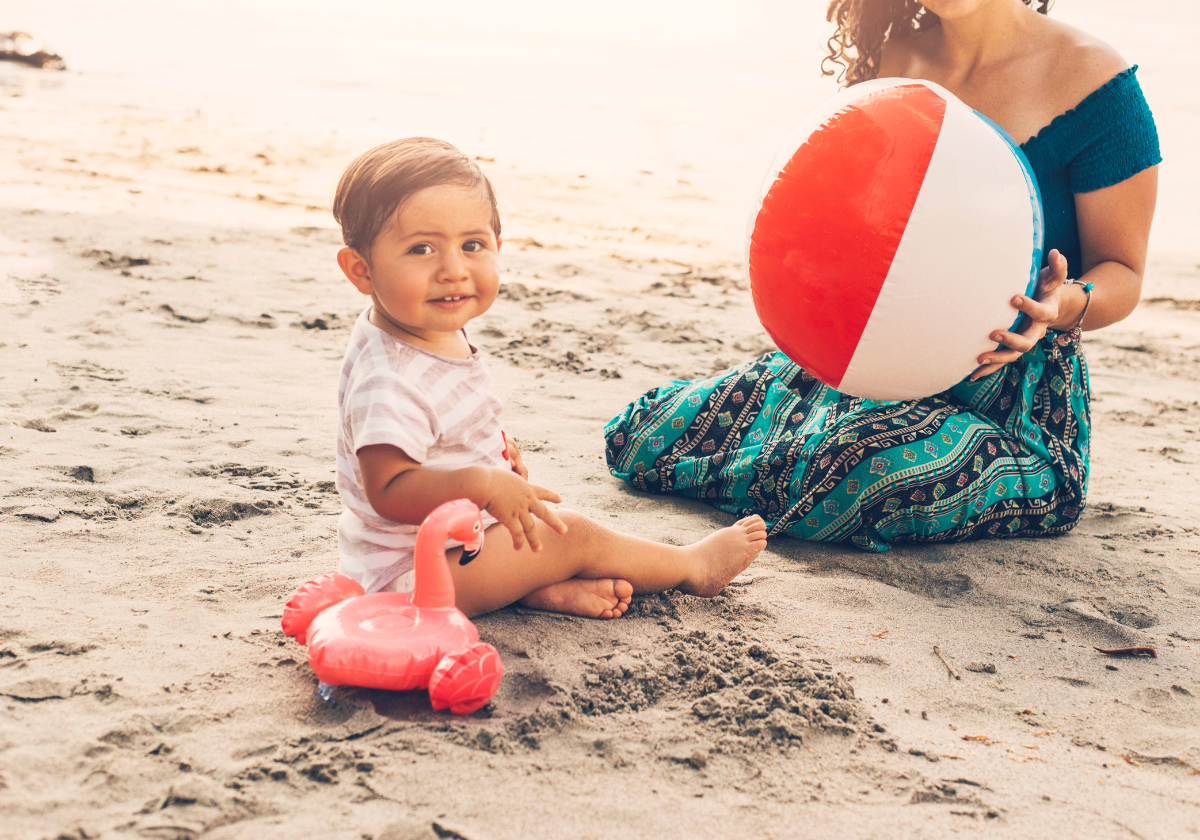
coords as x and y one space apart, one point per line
434 267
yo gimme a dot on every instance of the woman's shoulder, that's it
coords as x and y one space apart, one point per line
1078 63
1103 127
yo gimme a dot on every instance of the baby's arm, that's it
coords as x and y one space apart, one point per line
399 489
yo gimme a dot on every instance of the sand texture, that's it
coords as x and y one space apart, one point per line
173 325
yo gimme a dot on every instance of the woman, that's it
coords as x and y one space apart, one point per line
1004 452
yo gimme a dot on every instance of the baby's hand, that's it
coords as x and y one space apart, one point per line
515 502
514 458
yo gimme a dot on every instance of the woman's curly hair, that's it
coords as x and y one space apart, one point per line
863 26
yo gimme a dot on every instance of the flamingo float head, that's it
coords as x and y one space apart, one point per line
464 523
460 520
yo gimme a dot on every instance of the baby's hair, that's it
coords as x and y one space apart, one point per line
863 26
380 180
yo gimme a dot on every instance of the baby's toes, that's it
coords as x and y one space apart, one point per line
623 589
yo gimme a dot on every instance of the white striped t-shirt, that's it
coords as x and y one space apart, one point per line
440 411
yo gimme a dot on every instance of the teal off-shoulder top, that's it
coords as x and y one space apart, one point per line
1103 140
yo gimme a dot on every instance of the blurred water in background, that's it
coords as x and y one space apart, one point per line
705 88
560 86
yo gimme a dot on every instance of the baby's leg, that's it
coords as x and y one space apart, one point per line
588 551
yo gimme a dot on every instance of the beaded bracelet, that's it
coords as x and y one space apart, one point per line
1076 332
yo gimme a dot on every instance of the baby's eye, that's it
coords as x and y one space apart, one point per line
473 245
421 250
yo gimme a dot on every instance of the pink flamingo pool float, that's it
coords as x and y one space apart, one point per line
401 640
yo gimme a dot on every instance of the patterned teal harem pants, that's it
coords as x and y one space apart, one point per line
1004 456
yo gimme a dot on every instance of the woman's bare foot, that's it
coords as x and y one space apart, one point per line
604 598
722 556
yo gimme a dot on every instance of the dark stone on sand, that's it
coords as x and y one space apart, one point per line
981 667
86 474
407 830
41 513
107 259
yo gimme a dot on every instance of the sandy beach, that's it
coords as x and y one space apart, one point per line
174 322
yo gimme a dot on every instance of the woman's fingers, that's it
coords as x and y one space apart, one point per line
984 370
1057 264
999 357
1017 344
1036 310
993 362
1011 340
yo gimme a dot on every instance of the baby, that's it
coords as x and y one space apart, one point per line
419 425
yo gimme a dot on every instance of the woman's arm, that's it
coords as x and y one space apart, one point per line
1114 231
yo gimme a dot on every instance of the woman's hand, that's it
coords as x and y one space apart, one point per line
1040 314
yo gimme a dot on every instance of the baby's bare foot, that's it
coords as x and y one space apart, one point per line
722 556
603 598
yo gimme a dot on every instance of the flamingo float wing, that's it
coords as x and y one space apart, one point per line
466 680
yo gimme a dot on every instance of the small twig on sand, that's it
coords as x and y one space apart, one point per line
1133 651
946 662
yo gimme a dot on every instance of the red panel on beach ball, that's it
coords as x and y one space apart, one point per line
838 209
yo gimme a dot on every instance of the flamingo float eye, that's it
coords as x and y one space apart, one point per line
477 527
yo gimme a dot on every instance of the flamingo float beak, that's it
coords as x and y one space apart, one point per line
471 549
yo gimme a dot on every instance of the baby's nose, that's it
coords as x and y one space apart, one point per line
454 266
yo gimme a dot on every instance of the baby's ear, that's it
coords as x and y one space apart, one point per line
499 242
356 269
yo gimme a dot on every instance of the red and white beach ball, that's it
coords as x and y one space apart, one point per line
891 234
